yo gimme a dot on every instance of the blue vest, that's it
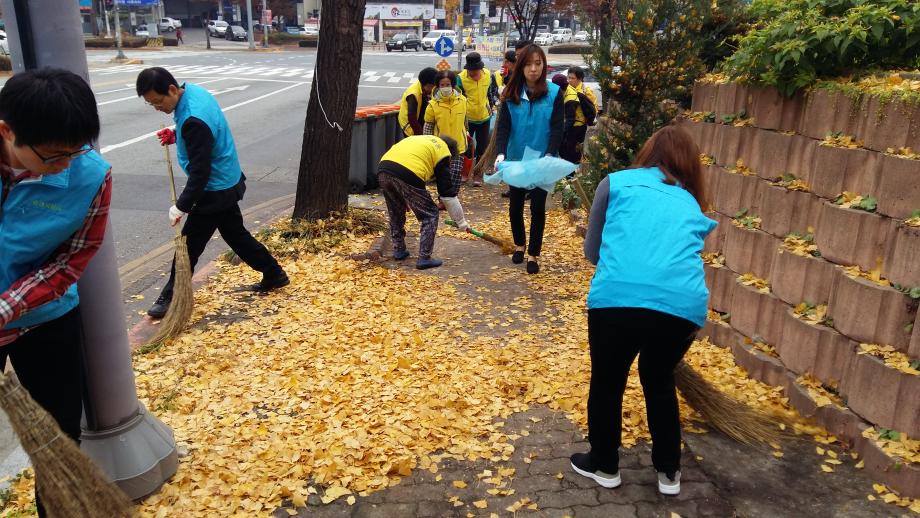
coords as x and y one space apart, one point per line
36 218
530 123
650 248
225 166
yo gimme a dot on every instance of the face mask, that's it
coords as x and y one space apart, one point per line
446 92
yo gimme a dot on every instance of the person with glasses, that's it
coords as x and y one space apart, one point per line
216 184
54 209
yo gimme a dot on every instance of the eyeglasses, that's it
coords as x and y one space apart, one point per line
52 159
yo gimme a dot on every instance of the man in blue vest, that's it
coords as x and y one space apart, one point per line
53 213
207 154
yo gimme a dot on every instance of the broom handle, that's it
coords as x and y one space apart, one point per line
172 183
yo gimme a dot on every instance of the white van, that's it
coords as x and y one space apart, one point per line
433 36
562 36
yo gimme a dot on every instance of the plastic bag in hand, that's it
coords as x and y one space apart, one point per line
532 171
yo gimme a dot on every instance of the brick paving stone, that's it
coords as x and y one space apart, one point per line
696 490
549 466
684 509
385 511
715 507
414 493
572 497
629 492
605 511
435 509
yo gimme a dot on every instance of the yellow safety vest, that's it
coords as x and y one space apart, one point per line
419 154
415 90
449 117
571 94
477 95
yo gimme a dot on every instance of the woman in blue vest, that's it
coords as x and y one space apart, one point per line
216 184
647 298
532 116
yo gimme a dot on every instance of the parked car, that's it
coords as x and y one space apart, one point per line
543 39
403 40
142 31
580 36
217 28
513 38
433 36
309 31
562 36
169 24
236 32
4 44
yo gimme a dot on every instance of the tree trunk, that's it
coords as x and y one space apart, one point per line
322 183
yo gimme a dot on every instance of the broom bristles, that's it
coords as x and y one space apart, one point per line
69 483
488 156
183 301
725 413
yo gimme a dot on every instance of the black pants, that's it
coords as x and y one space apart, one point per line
199 228
480 133
537 218
616 336
569 149
48 360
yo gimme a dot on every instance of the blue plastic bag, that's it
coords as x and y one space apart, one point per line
532 171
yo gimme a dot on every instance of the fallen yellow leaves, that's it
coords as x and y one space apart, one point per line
812 314
714 259
914 219
855 272
895 444
749 279
741 169
707 159
903 152
801 244
852 200
790 182
842 141
892 357
820 394
889 496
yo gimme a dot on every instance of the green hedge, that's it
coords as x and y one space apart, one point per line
281 38
570 48
794 43
128 42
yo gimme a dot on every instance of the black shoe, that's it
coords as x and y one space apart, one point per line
270 282
584 466
533 267
506 194
400 255
159 308
527 195
517 257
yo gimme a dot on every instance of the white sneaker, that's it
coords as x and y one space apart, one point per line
581 463
667 486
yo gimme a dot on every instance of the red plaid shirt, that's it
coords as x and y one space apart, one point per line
63 267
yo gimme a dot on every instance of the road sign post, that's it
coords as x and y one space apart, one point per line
444 46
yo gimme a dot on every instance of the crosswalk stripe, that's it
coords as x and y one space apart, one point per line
372 79
389 74
291 73
409 75
394 79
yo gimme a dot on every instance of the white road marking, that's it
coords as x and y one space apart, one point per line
136 97
135 140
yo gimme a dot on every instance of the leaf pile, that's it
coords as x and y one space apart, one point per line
749 279
714 259
818 392
903 152
914 219
889 496
892 358
840 140
801 244
746 221
762 346
875 275
813 314
701 116
790 182
851 200
741 169
722 319
895 444
707 159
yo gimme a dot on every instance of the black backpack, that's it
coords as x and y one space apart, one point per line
587 108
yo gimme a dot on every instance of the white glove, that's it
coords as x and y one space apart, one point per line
499 159
175 215
456 212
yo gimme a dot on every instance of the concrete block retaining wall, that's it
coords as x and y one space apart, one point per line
784 138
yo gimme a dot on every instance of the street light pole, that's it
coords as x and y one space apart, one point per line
105 14
121 55
252 42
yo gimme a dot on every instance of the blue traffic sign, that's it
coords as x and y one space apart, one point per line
444 46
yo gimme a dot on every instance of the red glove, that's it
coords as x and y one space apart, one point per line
167 136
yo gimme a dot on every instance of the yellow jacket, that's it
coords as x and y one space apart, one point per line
419 154
415 90
477 95
449 117
571 94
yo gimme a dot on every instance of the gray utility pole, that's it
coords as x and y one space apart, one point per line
252 42
105 14
121 55
133 448
458 28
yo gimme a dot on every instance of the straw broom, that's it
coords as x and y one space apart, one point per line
489 155
725 413
69 483
180 309
506 246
